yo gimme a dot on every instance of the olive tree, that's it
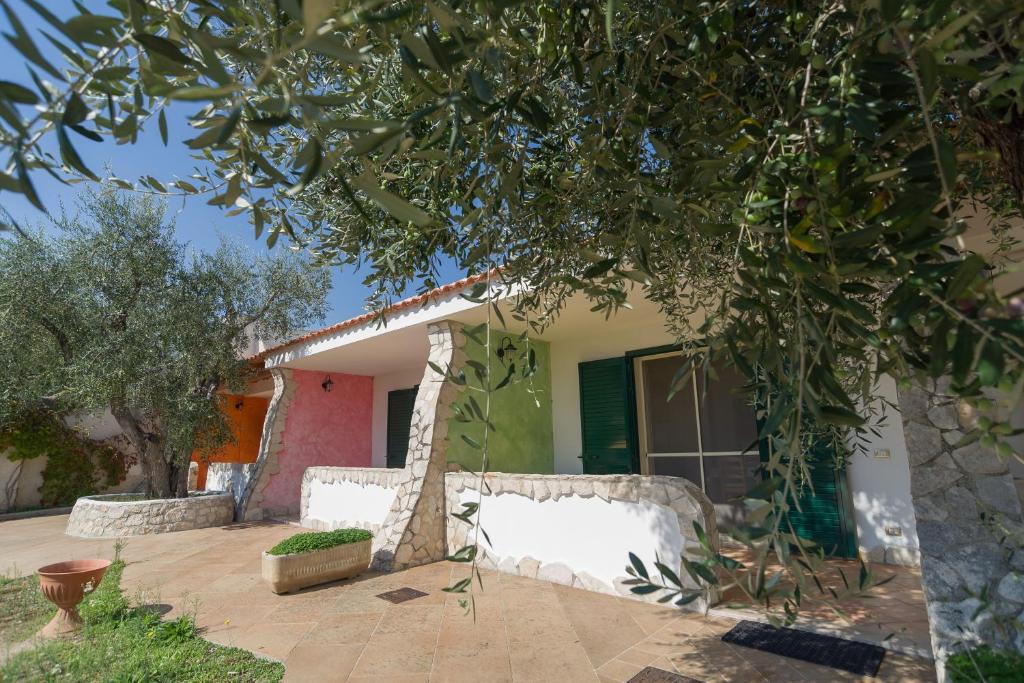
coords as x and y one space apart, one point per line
788 180
108 312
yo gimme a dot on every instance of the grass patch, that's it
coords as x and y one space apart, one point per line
128 644
985 664
23 609
309 541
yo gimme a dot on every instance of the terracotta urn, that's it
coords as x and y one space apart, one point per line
64 585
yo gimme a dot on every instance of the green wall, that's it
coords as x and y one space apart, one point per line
522 439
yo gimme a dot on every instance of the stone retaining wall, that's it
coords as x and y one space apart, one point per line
347 497
578 530
124 515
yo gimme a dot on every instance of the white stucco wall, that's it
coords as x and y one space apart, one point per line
566 355
578 530
337 504
382 384
565 530
880 488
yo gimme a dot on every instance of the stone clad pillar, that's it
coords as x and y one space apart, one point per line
964 501
414 531
250 501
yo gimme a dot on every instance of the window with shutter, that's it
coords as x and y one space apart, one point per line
605 417
400 407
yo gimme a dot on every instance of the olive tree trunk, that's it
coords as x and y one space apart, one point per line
968 526
166 473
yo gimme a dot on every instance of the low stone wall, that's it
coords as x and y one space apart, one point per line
124 514
578 530
229 477
347 497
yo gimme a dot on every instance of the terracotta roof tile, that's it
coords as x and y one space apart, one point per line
367 317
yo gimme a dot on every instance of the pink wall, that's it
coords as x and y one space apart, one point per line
321 428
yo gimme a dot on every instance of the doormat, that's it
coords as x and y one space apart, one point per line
857 658
654 675
401 595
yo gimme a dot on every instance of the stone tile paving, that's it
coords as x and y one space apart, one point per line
892 615
522 630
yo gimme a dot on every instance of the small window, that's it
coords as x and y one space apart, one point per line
401 404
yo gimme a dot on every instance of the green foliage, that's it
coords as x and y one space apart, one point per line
983 664
125 644
174 632
23 609
109 312
76 465
309 541
106 602
32 434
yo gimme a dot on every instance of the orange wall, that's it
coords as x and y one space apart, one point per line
246 426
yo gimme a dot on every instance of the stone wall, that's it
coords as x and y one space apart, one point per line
969 526
347 497
578 530
414 531
124 514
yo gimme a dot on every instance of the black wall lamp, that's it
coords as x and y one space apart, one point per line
238 404
505 350
327 384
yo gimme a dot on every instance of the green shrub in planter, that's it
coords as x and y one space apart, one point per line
985 664
318 540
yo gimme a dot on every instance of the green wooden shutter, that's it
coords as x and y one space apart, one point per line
605 417
826 515
400 406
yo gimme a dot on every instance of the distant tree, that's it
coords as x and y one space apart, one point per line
110 312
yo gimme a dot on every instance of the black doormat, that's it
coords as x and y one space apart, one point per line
857 658
653 675
401 595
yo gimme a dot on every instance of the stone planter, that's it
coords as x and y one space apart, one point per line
287 573
126 514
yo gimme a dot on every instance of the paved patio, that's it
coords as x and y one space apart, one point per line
524 630
892 615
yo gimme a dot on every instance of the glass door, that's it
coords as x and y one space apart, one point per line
701 433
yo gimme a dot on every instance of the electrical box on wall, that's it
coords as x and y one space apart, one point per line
893 531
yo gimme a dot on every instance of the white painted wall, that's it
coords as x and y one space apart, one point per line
880 488
348 503
566 531
382 384
566 355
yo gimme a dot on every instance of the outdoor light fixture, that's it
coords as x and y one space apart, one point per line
505 349
327 383
238 404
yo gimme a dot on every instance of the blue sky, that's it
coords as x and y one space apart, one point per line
197 223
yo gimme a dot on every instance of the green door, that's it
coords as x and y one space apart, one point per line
826 515
400 406
605 417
